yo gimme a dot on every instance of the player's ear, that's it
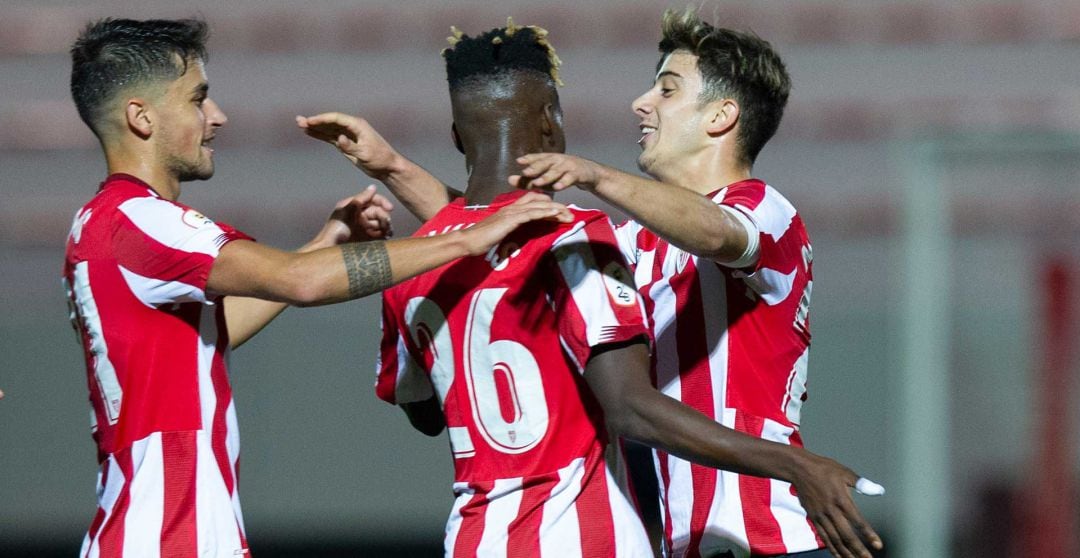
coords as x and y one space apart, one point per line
551 128
138 117
721 116
457 139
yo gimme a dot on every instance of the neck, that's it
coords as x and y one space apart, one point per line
144 167
707 174
492 163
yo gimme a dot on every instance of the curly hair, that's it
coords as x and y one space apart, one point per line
499 52
736 65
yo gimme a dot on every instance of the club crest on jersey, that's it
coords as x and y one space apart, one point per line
194 219
683 259
499 256
619 284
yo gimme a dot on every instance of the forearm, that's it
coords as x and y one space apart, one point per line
666 424
363 268
634 409
684 218
417 189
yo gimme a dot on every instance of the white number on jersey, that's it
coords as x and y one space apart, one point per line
487 364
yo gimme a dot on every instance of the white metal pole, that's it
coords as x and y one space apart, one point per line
924 278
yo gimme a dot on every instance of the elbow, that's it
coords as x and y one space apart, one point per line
299 288
628 422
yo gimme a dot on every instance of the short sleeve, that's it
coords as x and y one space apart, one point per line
165 250
781 238
626 235
399 379
594 296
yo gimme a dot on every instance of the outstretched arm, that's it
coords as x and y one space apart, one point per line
617 375
420 192
365 216
357 269
684 218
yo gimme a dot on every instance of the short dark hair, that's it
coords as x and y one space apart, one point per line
112 55
499 52
734 65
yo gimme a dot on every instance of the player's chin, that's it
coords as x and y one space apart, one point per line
202 172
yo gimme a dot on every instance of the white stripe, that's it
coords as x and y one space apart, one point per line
232 446
577 263
453 523
165 222
142 524
560 530
725 525
786 509
796 388
504 500
104 371
460 442
107 494
771 285
153 292
215 515
773 215
626 234
631 540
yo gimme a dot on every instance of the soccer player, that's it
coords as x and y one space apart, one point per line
159 293
495 349
724 264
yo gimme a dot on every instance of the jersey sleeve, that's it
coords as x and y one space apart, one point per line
165 251
781 239
594 295
626 235
399 378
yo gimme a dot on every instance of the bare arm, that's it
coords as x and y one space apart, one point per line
365 216
420 192
426 416
618 376
354 270
684 218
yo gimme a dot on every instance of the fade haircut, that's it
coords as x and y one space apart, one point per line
500 54
735 65
114 55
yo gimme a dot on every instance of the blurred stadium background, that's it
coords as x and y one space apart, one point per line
932 148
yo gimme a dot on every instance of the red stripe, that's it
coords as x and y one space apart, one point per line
472 521
111 539
386 380
223 394
139 251
747 193
647 241
99 517
594 503
696 388
523 533
762 530
179 533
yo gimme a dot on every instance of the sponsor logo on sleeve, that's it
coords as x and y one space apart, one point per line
195 220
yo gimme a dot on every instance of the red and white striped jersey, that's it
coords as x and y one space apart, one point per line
502 341
156 347
732 344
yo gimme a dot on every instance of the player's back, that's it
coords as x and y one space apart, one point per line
504 339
